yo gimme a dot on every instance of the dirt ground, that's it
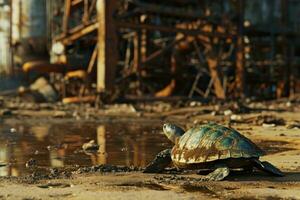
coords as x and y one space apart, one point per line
281 143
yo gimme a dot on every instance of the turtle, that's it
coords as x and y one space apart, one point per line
210 147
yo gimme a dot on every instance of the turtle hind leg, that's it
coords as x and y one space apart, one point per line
218 174
162 160
267 167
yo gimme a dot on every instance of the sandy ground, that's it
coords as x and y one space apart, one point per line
282 145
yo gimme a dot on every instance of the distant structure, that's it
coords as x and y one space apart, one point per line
138 49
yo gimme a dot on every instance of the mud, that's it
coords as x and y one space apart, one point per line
62 170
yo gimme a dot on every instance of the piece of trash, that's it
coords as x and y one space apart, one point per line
90 146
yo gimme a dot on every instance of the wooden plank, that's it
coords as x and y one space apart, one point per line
107 45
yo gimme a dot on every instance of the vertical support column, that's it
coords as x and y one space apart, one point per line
283 85
107 45
137 51
67 13
12 67
240 62
286 49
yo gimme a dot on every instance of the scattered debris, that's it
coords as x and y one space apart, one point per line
293 125
41 91
268 119
31 163
90 146
107 168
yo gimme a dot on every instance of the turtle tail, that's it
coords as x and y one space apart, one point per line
267 167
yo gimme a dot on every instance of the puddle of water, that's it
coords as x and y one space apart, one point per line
58 145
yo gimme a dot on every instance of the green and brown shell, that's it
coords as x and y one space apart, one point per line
212 142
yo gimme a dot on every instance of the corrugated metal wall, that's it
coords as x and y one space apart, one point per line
28 19
29 30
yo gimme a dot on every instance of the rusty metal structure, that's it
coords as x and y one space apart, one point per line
191 48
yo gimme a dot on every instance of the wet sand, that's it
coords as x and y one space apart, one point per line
281 144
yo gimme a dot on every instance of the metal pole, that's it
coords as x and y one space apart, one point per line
107 45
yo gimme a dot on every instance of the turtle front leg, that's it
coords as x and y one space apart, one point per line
218 174
162 160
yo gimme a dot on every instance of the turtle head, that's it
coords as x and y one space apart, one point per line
172 131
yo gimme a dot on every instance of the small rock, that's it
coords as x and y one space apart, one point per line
90 146
268 125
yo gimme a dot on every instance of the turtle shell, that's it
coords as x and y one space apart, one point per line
212 142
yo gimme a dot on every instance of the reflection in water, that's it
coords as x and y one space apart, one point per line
59 145
102 145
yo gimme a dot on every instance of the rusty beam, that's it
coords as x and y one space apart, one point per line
168 10
66 17
76 2
194 32
76 33
107 45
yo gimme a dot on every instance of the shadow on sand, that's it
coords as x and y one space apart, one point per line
260 176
